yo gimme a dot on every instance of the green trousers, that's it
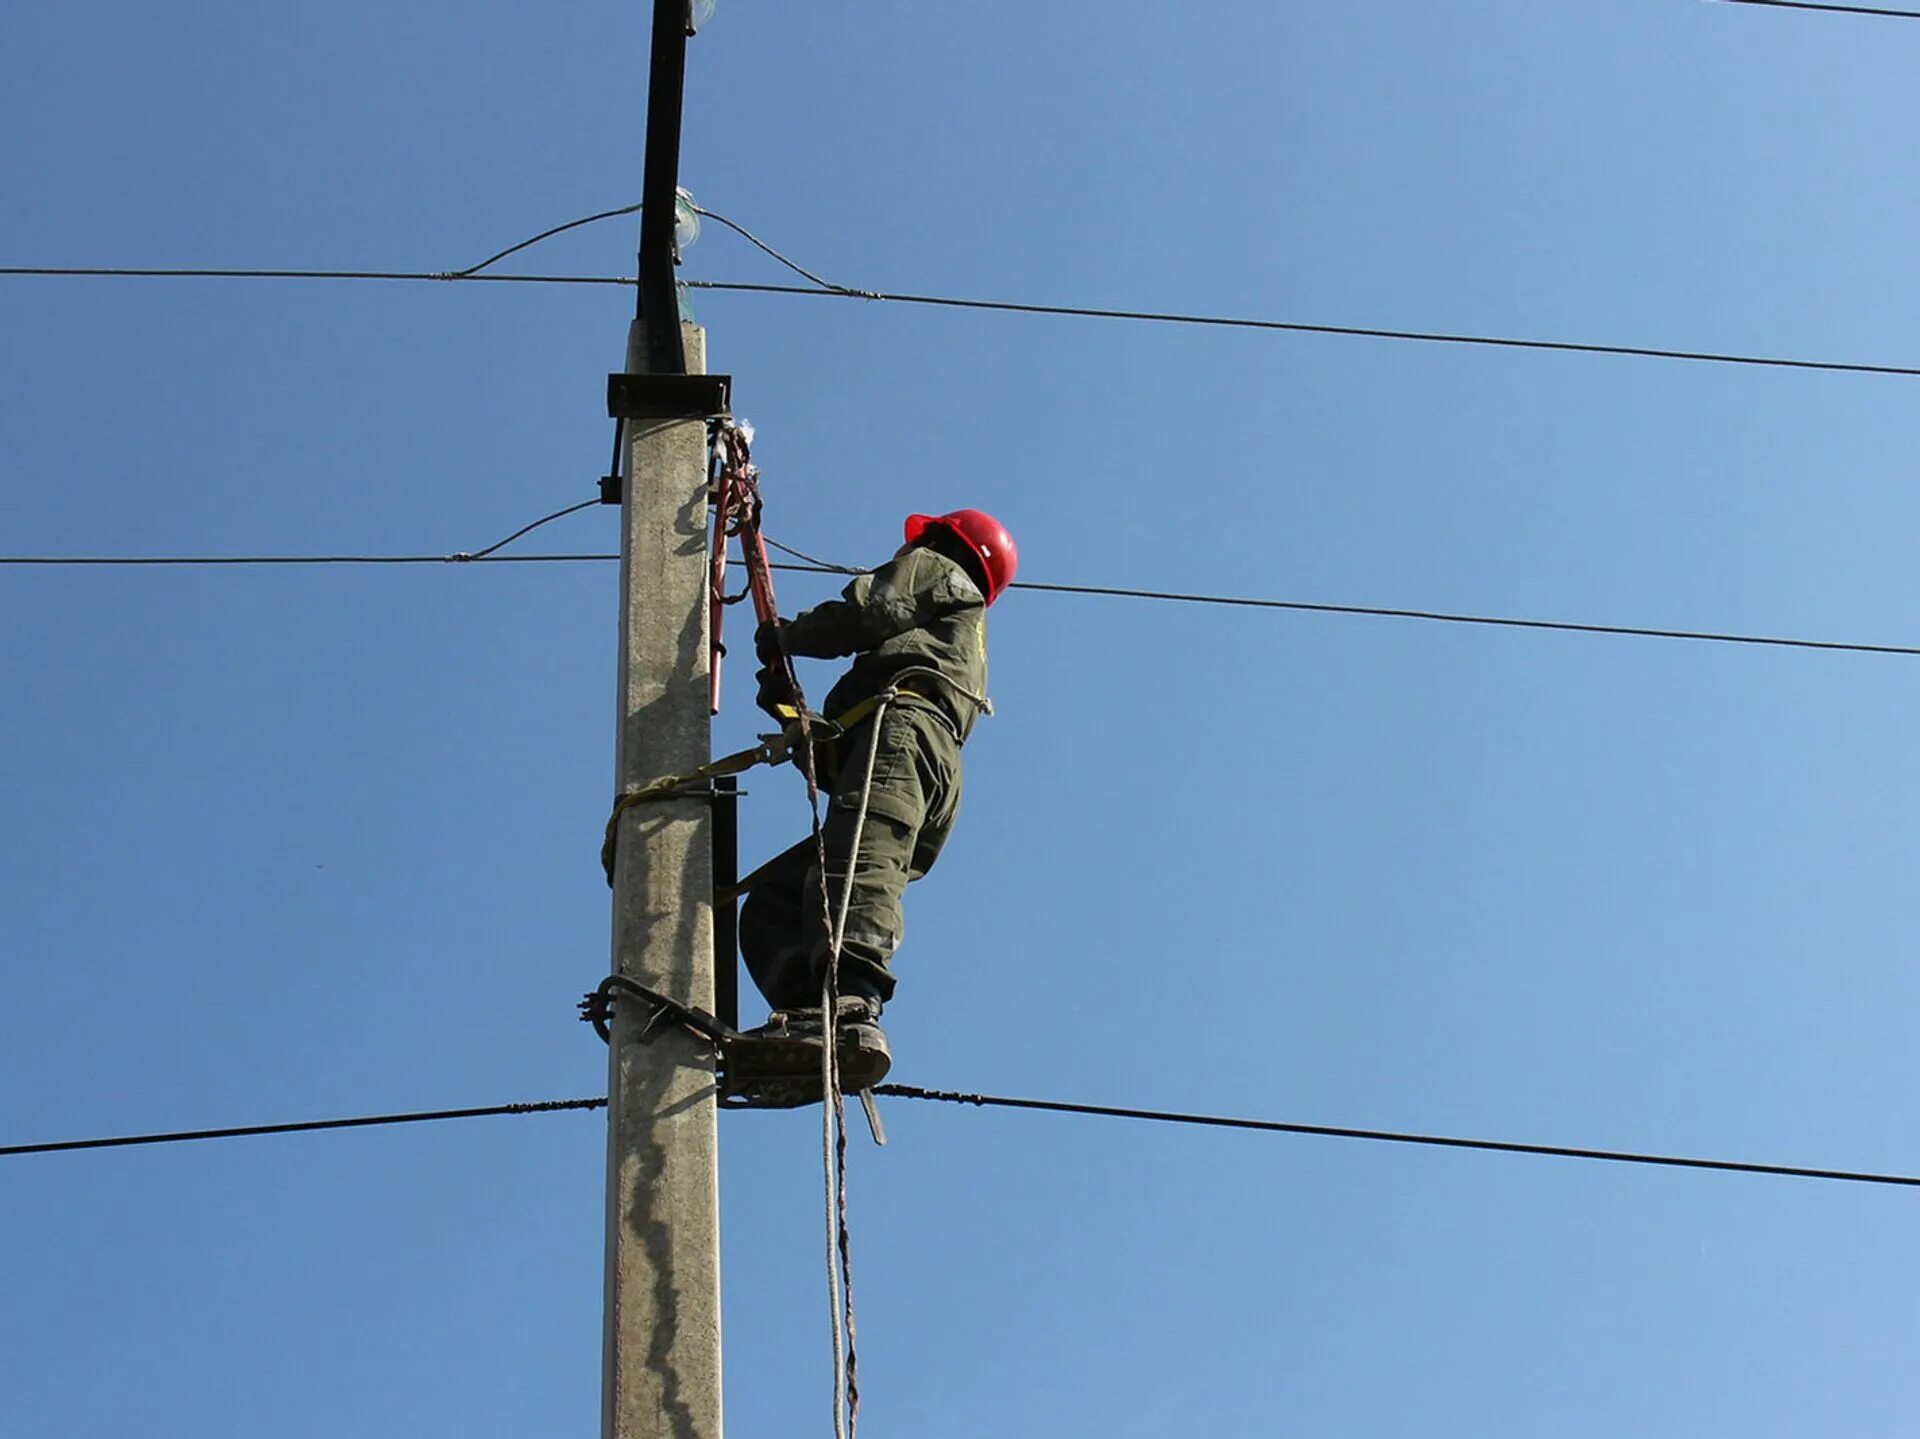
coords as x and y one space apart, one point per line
911 806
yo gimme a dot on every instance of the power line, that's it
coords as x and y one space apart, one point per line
816 565
269 560
1388 1136
1835 9
1437 337
1038 586
306 1126
489 551
794 265
69 272
472 270
824 566
1052 1106
1165 317
1505 622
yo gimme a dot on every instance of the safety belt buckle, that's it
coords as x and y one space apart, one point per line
791 740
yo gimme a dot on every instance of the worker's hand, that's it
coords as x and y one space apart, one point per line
775 691
767 645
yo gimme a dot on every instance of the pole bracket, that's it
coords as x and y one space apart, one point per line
669 397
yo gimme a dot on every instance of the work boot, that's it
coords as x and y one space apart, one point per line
864 1056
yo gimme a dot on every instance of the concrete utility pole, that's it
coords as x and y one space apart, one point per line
662 1358
662 1344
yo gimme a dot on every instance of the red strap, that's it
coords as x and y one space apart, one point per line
734 490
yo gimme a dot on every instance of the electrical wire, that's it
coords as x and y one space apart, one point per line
827 566
458 557
1388 1136
473 270
308 1126
1834 9
1009 307
71 272
793 265
1438 616
821 566
998 1101
1167 317
461 557
1036 586
355 559
1445 617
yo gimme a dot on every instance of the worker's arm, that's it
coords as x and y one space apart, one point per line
907 592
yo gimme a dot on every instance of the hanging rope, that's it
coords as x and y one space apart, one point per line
835 1111
735 492
832 1110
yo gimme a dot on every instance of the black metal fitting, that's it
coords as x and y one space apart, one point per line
669 397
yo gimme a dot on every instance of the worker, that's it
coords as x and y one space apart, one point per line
917 627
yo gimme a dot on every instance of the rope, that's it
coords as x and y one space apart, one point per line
833 1109
833 1163
832 1166
834 1112
830 1158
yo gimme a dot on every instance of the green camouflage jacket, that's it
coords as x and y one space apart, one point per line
919 610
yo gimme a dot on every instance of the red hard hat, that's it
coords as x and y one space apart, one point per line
981 533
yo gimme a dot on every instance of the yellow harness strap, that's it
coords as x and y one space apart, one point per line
851 717
775 749
770 751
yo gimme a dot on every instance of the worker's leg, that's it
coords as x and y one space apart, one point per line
874 924
909 808
774 936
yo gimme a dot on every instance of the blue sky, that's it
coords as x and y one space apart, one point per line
294 843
